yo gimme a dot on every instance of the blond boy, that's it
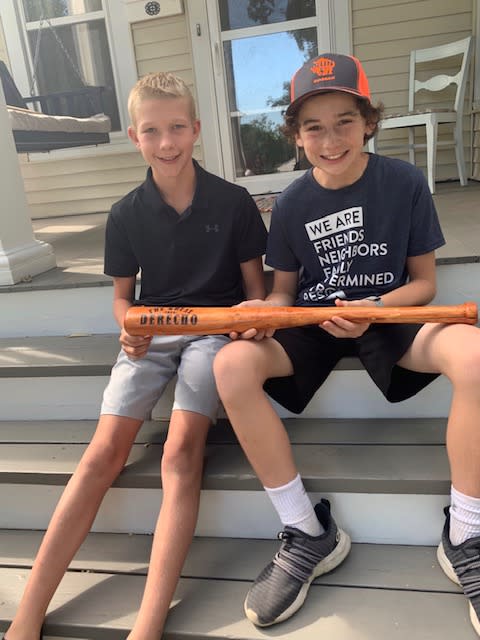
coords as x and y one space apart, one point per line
196 240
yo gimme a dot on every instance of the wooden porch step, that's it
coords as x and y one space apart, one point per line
39 371
361 456
380 591
377 431
76 355
328 468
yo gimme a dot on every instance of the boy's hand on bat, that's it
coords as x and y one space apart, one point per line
340 327
134 346
253 333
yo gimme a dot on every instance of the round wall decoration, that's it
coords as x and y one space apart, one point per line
152 8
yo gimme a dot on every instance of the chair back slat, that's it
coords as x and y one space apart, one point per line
443 50
437 83
441 81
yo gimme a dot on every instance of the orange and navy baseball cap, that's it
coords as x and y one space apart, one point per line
328 72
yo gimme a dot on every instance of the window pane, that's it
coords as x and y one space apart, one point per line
237 15
38 9
75 60
258 74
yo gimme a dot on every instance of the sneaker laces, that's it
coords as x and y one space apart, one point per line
468 572
296 558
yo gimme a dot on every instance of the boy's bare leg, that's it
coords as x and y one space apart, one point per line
182 465
72 519
241 369
311 533
454 350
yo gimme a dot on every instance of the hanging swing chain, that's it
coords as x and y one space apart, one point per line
62 47
36 56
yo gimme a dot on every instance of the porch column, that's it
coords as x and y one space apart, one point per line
21 256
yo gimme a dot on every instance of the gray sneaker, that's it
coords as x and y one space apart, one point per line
461 563
281 588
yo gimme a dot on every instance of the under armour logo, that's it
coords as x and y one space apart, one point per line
212 227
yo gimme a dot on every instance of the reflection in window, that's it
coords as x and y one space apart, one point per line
237 15
38 9
72 66
258 72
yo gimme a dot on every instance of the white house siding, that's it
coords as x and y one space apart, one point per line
80 185
384 33
91 181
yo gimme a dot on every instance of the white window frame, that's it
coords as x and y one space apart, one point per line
123 65
207 46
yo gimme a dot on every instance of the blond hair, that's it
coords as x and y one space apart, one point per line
159 85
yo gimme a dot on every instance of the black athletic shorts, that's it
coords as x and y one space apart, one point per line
314 353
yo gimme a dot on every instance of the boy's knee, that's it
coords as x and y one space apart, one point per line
237 366
223 359
224 364
471 367
105 460
466 368
183 458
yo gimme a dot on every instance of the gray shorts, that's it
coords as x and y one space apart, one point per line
136 385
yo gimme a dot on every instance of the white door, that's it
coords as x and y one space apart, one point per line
245 52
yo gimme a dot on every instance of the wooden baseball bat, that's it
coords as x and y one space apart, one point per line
144 320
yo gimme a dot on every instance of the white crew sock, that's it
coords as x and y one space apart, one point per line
294 507
464 517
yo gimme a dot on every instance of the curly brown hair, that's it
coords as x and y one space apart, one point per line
370 113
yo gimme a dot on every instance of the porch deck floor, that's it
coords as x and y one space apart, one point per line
78 240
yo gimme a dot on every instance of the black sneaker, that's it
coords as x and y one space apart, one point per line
461 564
281 588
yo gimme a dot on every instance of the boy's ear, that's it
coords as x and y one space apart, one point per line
196 128
298 140
370 127
132 134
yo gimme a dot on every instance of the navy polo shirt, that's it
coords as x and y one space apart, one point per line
192 259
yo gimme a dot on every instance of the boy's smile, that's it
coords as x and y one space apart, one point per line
331 131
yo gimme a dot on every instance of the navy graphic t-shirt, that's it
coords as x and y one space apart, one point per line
353 242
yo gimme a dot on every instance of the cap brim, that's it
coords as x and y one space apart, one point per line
294 106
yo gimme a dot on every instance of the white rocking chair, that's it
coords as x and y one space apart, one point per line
430 118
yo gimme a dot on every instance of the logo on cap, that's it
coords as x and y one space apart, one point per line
323 67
